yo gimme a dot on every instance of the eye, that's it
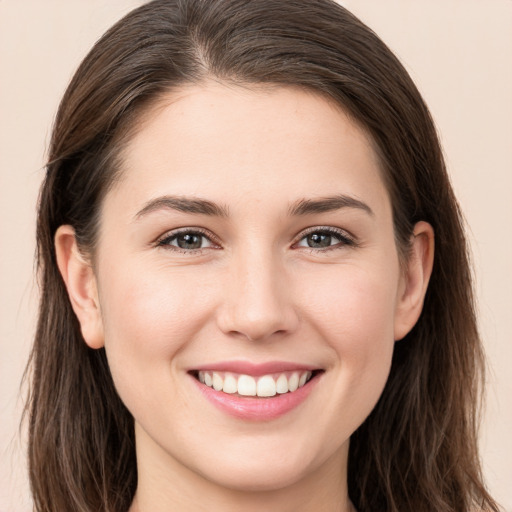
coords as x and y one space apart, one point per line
325 238
186 240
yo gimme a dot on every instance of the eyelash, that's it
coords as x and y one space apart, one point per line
344 238
166 240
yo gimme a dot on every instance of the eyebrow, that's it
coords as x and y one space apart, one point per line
183 204
328 204
204 207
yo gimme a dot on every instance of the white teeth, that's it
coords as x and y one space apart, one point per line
282 384
218 382
230 384
266 386
246 385
293 382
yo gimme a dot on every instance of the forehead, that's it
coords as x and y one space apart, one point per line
217 140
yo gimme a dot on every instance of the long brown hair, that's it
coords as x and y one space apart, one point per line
417 451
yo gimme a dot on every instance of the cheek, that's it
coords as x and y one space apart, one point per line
366 342
354 308
356 318
148 319
154 308
365 324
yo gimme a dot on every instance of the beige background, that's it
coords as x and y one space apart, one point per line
458 51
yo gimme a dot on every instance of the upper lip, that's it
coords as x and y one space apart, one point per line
255 369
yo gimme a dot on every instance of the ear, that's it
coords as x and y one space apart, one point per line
80 281
415 278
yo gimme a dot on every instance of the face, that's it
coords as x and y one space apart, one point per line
248 285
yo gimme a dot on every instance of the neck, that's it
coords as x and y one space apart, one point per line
291 499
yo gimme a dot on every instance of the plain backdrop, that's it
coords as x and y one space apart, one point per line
459 52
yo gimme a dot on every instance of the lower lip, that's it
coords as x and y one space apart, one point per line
254 408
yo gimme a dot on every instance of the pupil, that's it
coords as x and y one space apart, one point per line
189 241
319 240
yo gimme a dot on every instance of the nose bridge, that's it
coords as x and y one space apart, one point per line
258 302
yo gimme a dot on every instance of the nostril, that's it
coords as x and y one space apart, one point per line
257 311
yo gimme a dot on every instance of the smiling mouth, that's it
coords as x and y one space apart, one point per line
263 386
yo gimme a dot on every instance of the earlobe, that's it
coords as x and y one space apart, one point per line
80 281
415 279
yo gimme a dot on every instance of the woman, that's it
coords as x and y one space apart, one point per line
242 305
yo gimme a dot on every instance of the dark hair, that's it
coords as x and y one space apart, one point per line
417 451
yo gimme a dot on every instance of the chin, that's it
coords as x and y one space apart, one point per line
260 477
257 469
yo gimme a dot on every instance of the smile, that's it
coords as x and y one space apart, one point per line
247 385
256 393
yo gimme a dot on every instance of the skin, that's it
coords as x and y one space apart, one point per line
255 292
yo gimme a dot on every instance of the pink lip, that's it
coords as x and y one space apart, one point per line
256 370
254 408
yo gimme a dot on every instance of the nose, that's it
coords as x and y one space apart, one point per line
257 298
